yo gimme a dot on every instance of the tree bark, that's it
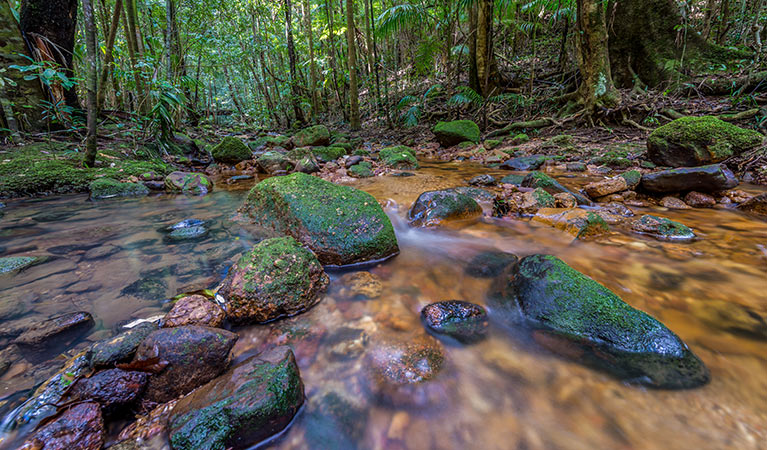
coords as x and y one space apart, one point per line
596 89
354 101
108 57
312 65
92 74
295 96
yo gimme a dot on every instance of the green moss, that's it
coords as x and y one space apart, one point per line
344 145
457 131
632 177
316 135
491 144
593 225
328 154
298 153
231 151
466 144
520 138
543 198
562 140
616 158
362 170
399 157
361 152
107 188
277 141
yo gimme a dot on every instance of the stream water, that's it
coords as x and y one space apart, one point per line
111 259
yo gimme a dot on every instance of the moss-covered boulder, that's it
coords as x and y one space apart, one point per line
108 188
439 207
231 151
12 264
277 278
272 162
362 169
188 183
327 154
399 157
252 402
455 132
662 228
342 225
696 141
312 136
348 147
278 141
574 315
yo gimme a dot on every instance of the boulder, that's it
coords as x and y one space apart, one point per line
439 207
578 222
398 157
574 315
79 427
490 263
524 163
697 141
277 278
231 151
479 195
193 355
352 160
188 183
114 389
534 200
194 310
327 154
55 332
755 205
342 225
122 347
312 136
453 133
252 402
710 178
361 170
307 164
605 187
662 228
462 321
272 162
108 188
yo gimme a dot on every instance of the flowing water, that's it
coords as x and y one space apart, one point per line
111 259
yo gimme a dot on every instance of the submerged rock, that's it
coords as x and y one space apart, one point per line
662 228
398 157
252 402
342 225
524 163
194 310
103 188
188 229
453 133
335 419
755 205
490 264
462 321
231 151
710 178
188 183
61 329
80 427
193 355
360 286
277 278
695 141
569 312
312 136
439 207
13 264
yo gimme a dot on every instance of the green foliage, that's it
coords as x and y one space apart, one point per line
168 102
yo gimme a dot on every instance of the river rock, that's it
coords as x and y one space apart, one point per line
490 263
272 162
605 187
537 179
699 200
312 136
360 286
565 200
524 163
80 427
307 164
673 203
277 278
361 170
695 141
188 229
662 228
13 264
328 154
194 356
103 188
453 133
147 432
113 389
194 310
479 195
578 222
252 402
709 178
483 180
61 329
231 151
121 347
398 157
462 321
342 225
534 200
755 205
188 183
572 314
335 418
439 207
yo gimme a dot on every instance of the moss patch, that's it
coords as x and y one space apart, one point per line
107 188
328 154
231 151
398 157
362 170
457 131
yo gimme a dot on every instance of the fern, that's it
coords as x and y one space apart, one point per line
400 17
465 96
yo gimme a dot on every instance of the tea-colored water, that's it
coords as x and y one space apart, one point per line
505 392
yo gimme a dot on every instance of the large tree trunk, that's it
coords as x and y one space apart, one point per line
295 95
484 70
354 101
91 74
312 65
49 27
596 89
108 56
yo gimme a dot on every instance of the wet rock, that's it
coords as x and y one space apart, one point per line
194 310
602 188
194 356
100 252
189 229
277 278
147 288
79 427
439 207
578 222
272 162
342 225
11 307
574 315
618 209
154 185
328 154
334 419
122 347
360 286
453 133
483 180
524 163
673 203
462 321
188 183
755 205
489 264
514 179
541 180
103 188
352 160
361 170
346 343
662 228
231 151
699 200
695 141
575 167
398 157
534 200
710 178
312 136
565 200
403 372
731 317
61 329
148 432
13 264
258 399
8 356
479 195
113 389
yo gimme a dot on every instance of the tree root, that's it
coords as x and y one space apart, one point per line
539 123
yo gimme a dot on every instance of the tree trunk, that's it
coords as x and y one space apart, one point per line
49 28
295 96
596 89
134 53
109 49
354 101
312 65
91 74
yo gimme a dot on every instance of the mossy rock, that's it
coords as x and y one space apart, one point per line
313 136
537 179
276 278
188 183
361 152
520 138
12 264
361 170
272 161
578 222
466 145
399 157
439 207
278 141
697 141
455 132
662 228
342 225
298 153
632 177
562 141
231 151
348 148
328 154
109 188
570 313
491 144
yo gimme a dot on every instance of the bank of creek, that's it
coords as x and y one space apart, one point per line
372 374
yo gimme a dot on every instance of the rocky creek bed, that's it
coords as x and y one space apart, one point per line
484 309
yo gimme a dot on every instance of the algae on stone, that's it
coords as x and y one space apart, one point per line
399 157
455 132
231 151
